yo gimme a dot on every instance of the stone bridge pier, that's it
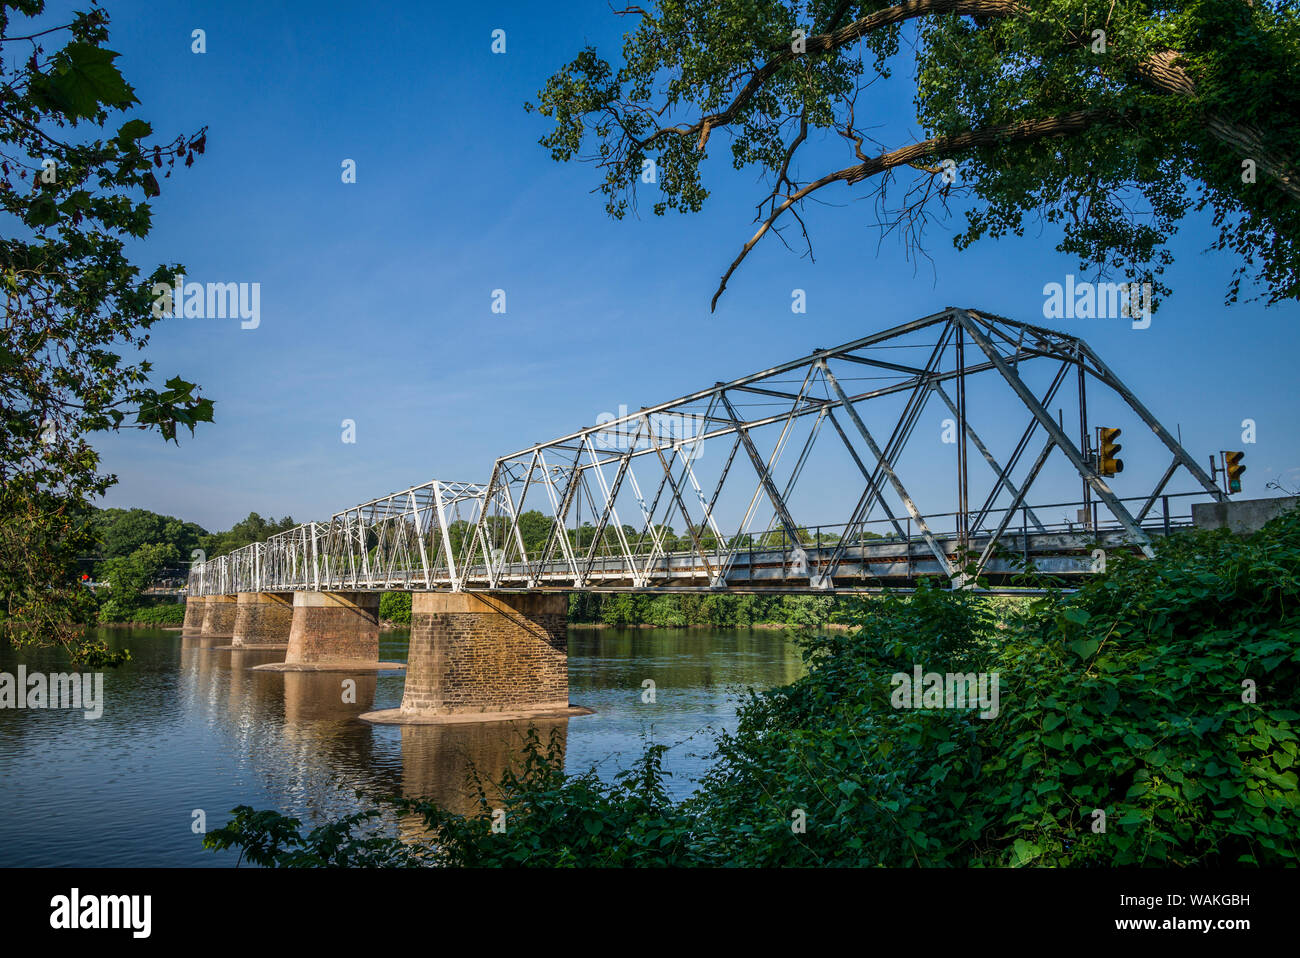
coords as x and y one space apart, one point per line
195 608
478 657
218 617
332 632
263 619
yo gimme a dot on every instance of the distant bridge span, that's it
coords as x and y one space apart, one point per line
729 488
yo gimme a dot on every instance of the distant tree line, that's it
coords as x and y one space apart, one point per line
135 549
671 611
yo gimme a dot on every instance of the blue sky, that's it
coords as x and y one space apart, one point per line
375 296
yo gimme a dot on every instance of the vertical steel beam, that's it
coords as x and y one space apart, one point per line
998 471
1058 435
882 462
1147 417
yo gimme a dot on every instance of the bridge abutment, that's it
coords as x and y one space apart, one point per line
485 656
263 618
219 616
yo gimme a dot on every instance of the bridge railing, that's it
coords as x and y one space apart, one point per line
383 549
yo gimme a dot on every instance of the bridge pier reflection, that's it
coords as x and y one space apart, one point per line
325 696
437 760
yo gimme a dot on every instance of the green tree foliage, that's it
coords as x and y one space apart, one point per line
244 532
121 531
128 576
679 610
395 607
1109 122
534 527
161 613
1165 693
76 174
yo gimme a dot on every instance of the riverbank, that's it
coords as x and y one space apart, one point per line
701 626
389 625
136 625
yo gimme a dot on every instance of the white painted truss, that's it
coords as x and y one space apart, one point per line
717 490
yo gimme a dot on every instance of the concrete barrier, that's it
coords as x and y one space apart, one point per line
1241 516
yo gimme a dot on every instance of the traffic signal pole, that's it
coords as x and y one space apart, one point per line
1083 437
1180 454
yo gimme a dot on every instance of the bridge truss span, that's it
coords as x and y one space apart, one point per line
795 478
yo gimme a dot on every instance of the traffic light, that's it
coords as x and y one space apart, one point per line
1107 449
1233 467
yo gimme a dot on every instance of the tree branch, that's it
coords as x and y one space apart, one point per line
822 43
1164 72
1022 132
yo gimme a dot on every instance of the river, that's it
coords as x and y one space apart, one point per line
186 727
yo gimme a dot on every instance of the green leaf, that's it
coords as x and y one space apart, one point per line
133 130
1025 851
84 79
1084 648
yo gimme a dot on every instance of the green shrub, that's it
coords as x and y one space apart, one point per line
163 613
395 607
1126 697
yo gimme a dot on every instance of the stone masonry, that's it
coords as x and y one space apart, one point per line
219 616
334 627
486 652
195 607
263 618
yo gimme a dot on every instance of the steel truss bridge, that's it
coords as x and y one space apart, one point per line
731 487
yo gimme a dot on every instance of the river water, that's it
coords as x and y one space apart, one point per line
186 726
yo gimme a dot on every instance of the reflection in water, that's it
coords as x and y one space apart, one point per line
325 697
188 726
437 761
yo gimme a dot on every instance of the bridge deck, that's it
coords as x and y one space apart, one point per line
874 564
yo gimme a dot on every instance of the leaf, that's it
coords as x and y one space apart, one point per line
1084 648
43 211
1026 852
133 130
84 79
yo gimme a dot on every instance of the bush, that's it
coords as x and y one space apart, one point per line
164 613
395 607
1132 697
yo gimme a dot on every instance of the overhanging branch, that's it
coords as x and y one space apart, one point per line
1022 132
